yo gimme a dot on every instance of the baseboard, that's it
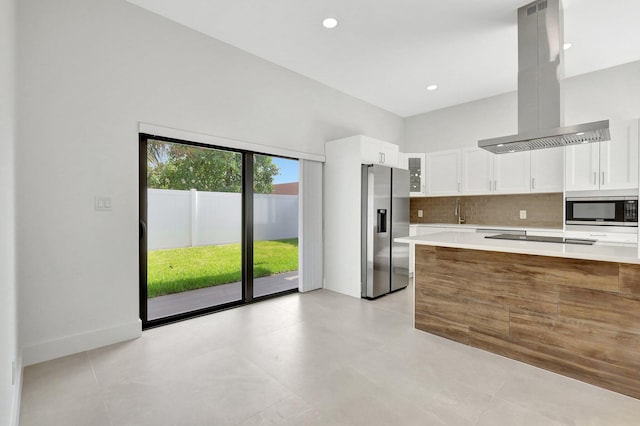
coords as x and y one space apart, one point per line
80 342
17 394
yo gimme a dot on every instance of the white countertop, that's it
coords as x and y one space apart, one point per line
608 252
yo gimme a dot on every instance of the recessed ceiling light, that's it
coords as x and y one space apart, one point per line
330 23
567 45
500 144
579 133
432 87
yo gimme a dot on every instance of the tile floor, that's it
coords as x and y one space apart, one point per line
318 358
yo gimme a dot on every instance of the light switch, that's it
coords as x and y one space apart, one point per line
419 213
102 203
523 214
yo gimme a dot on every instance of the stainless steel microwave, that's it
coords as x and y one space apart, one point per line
604 211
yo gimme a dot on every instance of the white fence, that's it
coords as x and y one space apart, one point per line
195 218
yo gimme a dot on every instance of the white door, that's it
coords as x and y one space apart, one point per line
443 172
619 157
477 171
582 167
511 173
547 170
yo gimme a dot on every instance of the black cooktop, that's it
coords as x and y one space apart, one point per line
540 239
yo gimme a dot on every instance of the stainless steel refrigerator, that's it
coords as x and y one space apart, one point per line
385 216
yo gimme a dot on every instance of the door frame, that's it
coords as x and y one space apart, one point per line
246 235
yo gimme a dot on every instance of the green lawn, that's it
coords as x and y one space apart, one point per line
182 269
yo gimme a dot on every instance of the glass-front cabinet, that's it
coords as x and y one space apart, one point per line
416 165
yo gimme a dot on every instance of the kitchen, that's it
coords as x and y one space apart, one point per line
84 77
561 201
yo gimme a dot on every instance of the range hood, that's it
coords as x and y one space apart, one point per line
540 73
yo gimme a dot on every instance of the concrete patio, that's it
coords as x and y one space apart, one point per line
171 304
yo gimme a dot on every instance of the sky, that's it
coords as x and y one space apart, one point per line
288 170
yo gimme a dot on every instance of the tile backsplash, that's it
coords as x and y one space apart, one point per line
543 210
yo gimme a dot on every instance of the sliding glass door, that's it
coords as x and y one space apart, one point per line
197 228
275 225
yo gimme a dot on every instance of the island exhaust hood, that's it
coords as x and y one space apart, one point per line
540 72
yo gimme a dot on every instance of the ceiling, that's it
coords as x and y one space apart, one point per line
386 52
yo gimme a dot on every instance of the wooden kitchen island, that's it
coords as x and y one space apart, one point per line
574 310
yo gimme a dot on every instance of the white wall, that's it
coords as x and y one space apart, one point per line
89 72
608 94
9 393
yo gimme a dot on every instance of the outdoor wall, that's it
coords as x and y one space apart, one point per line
275 217
9 391
89 71
194 218
607 94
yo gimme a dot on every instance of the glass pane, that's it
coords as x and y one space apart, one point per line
415 171
193 227
275 219
594 211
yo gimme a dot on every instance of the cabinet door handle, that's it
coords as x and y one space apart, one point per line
495 185
602 182
458 186
384 157
533 183
380 160
489 185
595 178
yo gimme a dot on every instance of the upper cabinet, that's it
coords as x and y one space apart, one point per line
477 171
547 170
512 173
415 163
606 165
373 151
619 157
516 173
443 172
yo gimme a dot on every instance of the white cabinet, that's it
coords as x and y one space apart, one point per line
547 170
477 171
373 151
515 173
415 163
511 173
443 172
605 165
619 157
607 237
582 167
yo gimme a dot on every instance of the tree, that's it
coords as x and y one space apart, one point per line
173 166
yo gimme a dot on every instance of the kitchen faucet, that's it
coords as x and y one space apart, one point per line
457 212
